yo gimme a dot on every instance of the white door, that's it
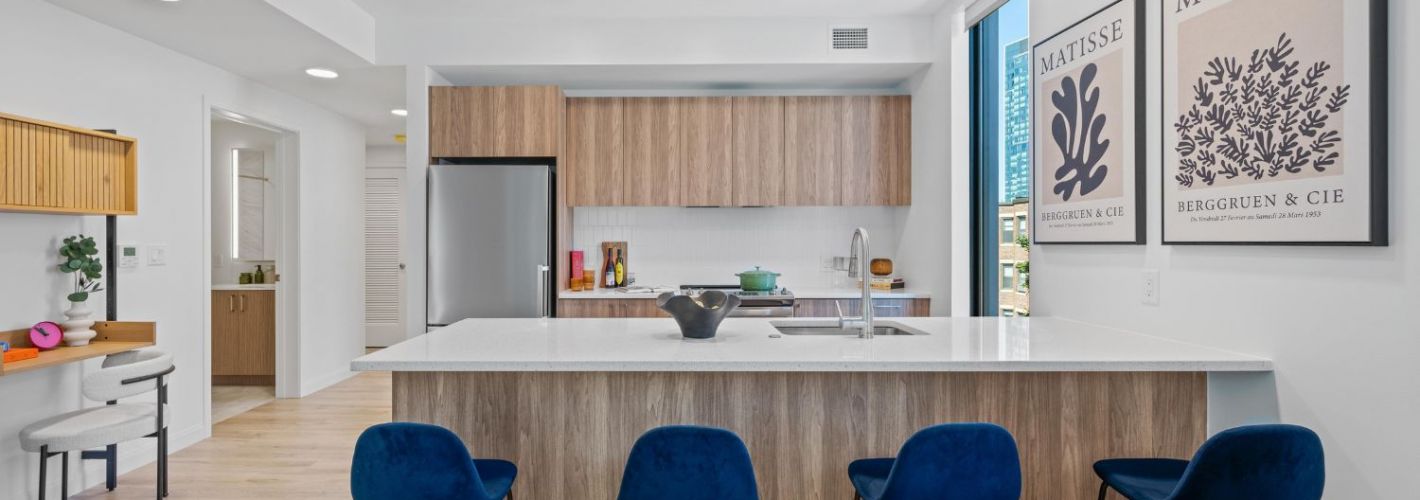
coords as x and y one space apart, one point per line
384 262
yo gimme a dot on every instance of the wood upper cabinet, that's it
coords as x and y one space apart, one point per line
890 129
707 177
651 144
740 151
52 168
244 333
493 122
594 151
813 159
757 125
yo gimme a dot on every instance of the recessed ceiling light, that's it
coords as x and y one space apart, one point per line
399 112
322 73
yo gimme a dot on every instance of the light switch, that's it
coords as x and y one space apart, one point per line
157 255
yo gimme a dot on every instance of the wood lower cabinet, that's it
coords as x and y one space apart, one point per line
609 308
804 308
243 337
882 308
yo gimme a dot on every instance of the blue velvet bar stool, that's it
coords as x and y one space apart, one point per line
686 462
404 460
969 460
1255 462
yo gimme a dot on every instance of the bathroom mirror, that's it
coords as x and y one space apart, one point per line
249 182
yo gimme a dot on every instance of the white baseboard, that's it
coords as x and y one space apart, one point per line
327 380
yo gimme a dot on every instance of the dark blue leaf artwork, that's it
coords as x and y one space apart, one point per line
1077 129
1268 118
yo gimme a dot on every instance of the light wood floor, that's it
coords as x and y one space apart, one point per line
231 400
285 449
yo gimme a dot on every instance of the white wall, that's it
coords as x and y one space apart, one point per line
925 229
464 41
96 76
226 136
1334 320
674 246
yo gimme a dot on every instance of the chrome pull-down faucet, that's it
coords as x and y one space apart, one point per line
858 254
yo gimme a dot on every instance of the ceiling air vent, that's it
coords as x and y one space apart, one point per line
849 38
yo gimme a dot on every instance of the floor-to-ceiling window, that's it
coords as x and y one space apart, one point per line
1000 135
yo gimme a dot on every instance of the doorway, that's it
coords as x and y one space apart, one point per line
250 164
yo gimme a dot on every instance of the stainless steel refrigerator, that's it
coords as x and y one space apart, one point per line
490 242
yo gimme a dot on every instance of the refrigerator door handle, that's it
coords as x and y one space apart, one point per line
542 309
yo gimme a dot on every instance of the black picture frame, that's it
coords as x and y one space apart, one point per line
1378 109
1137 136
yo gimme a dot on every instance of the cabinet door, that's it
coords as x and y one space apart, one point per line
859 185
758 148
812 156
494 122
609 308
594 151
890 129
258 335
226 333
651 147
882 308
707 176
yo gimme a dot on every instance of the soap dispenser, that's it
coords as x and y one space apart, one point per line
260 276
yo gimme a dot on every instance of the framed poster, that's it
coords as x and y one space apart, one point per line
1087 123
1274 122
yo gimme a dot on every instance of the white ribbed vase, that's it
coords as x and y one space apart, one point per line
78 330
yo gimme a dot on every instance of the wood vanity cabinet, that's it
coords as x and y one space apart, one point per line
882 308
243 337
522 121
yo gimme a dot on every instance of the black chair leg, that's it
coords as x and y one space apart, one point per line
111 467
43 464
1104 489
163 459
64 487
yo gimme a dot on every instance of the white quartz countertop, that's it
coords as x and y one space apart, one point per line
744 344
806 293
233 286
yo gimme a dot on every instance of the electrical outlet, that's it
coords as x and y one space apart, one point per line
1151 288
157 255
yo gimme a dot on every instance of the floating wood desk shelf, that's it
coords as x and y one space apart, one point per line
114 337
58 169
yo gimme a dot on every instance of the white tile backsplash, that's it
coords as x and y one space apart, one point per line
675 245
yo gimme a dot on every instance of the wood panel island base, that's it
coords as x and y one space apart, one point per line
566 398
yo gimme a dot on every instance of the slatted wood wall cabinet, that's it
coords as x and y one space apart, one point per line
52 168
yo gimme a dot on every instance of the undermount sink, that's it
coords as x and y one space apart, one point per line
888 328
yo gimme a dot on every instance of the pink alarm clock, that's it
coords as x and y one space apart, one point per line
46 335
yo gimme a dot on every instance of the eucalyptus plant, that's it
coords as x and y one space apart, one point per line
79 254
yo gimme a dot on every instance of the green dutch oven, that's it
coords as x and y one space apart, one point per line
758 280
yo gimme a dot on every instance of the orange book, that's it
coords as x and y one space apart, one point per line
21 354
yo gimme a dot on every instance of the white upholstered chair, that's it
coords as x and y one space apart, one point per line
123 375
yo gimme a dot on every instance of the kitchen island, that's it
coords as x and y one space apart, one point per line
566 398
